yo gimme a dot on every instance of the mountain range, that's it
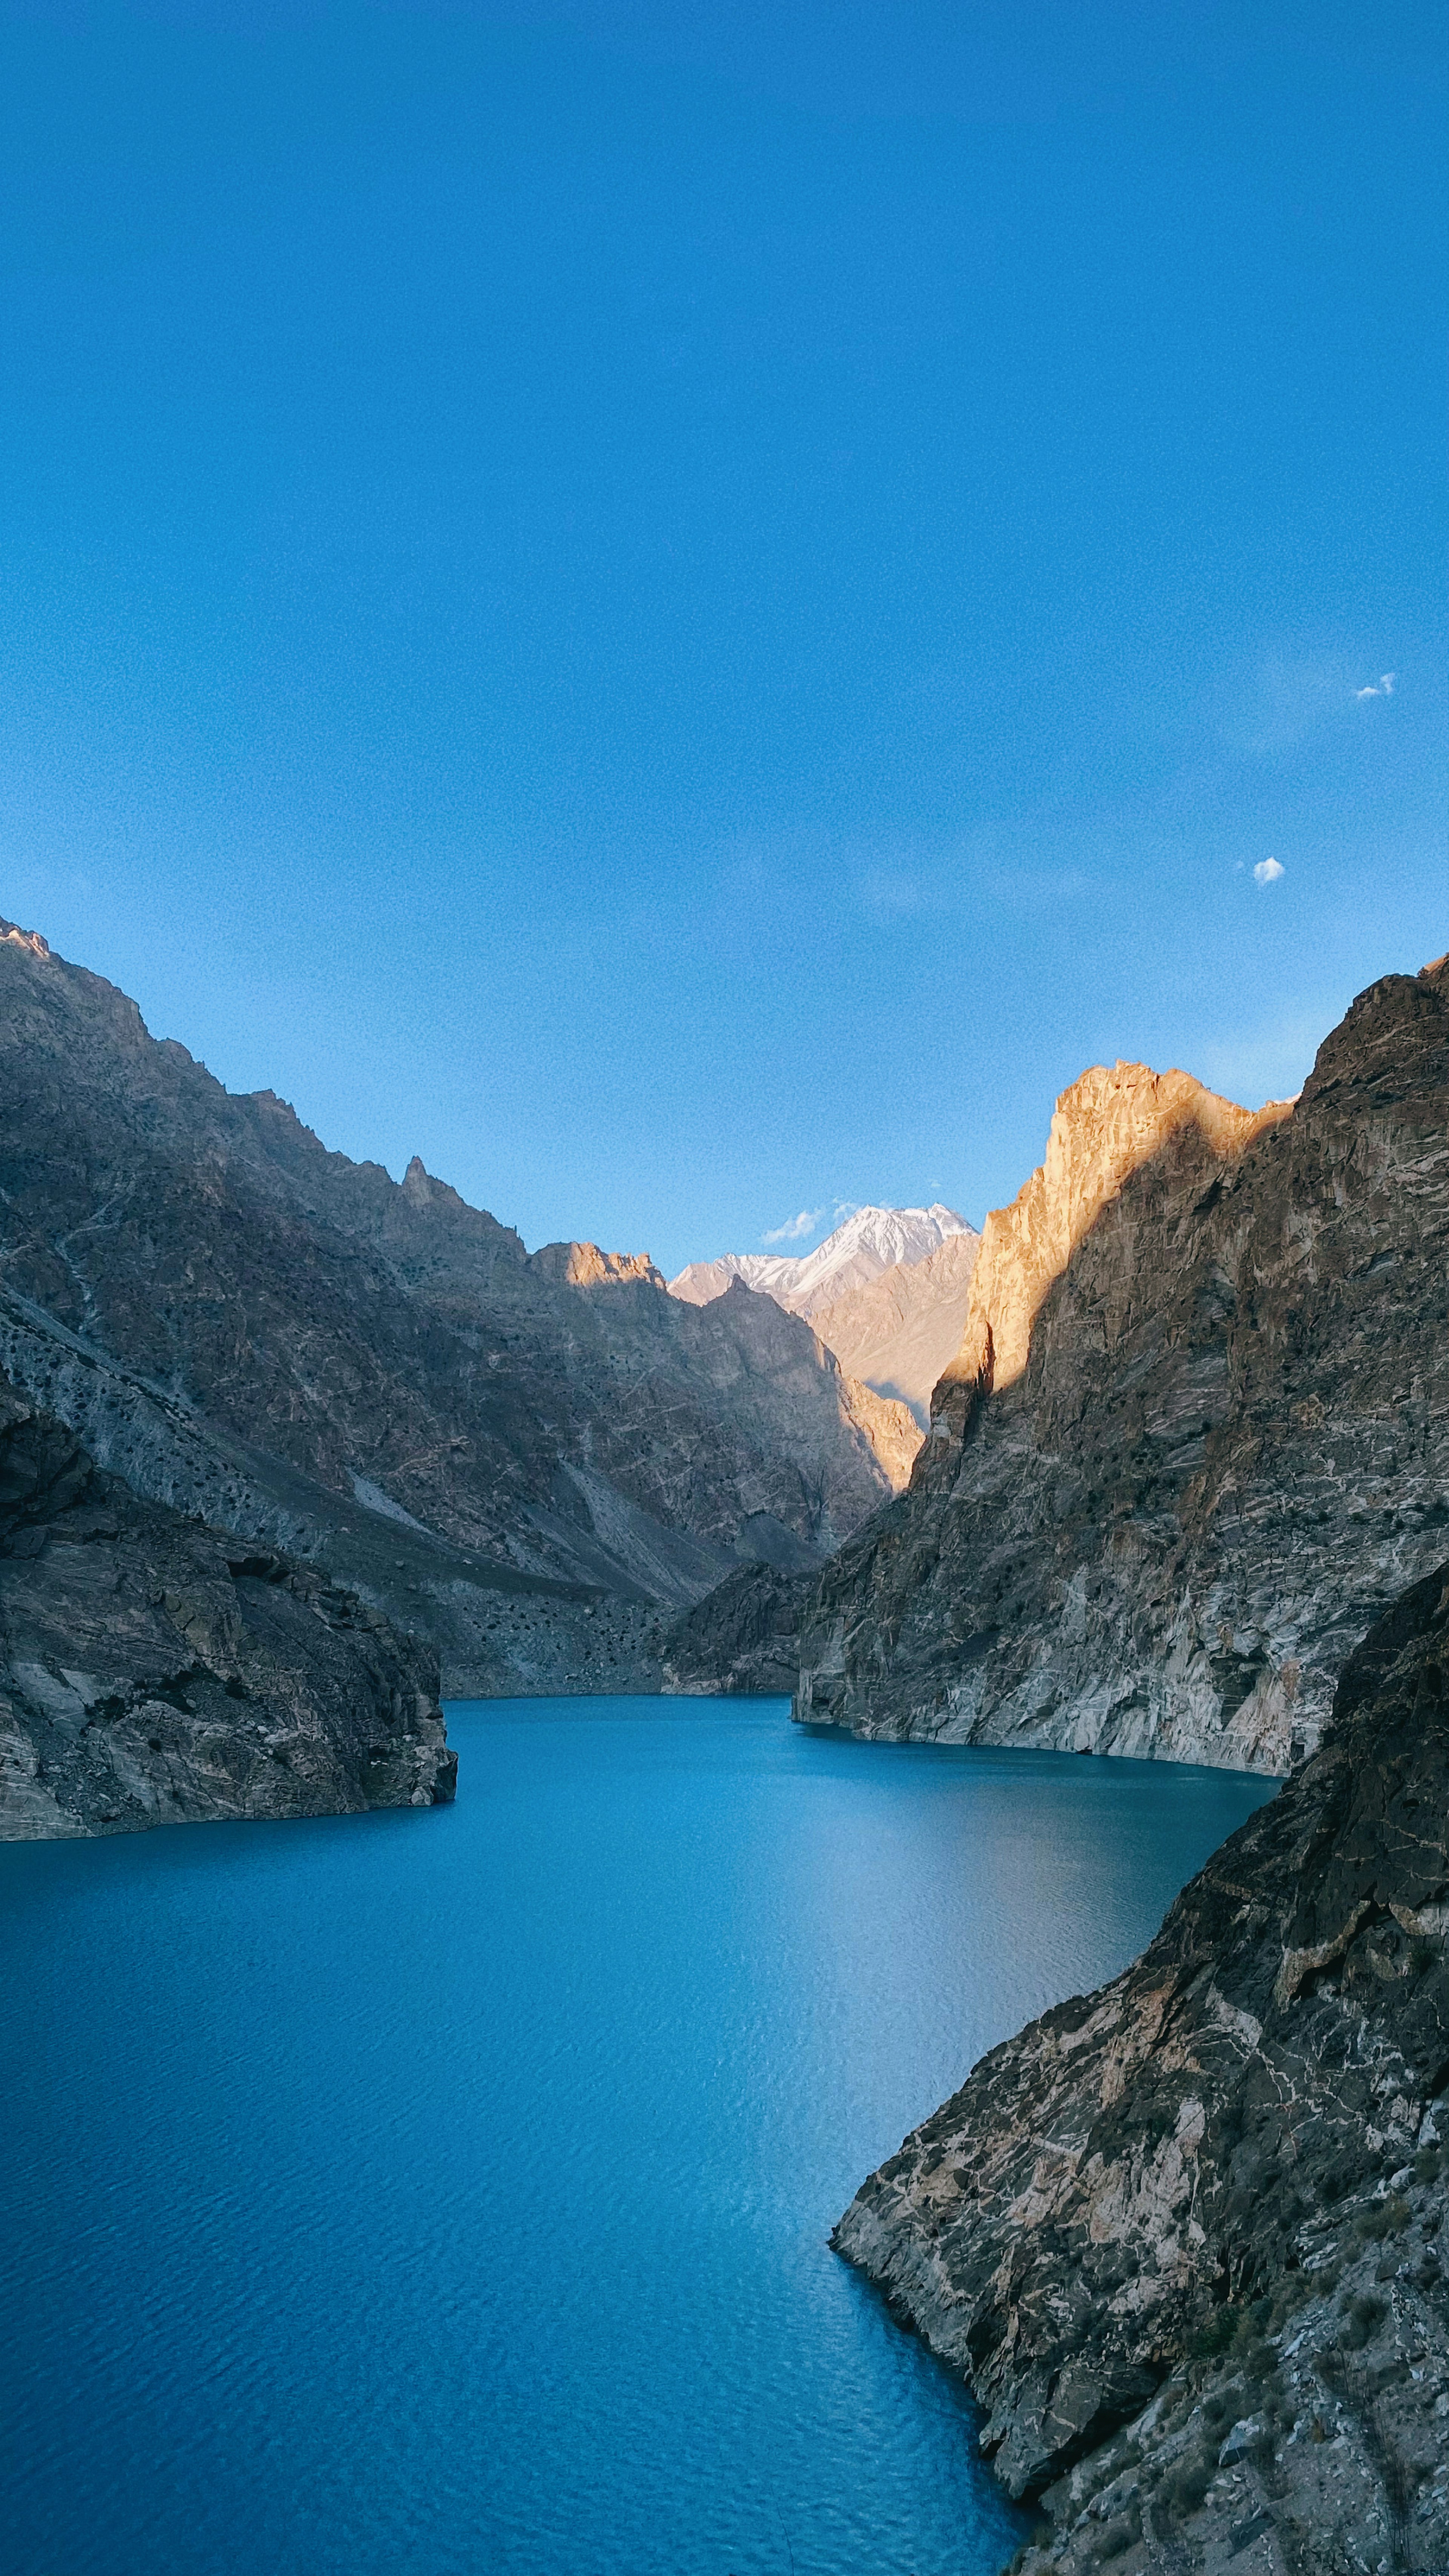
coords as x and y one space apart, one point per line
277 1433
886 1292
871 1240
529 1461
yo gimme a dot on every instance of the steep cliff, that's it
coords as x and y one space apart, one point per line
1198 1431
154 1671
1184 2235
518 1457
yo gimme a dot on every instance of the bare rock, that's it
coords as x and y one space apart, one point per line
1183 2235
154 1671
1198 1431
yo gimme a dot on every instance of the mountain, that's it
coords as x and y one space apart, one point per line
1185 2236
523 1459
899 1333
153 1671
1197 1433
871 1241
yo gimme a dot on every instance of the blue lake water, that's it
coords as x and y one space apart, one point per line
404 2195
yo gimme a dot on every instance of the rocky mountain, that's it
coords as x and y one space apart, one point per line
154 1671
872 1240
1198 1430
899 1333
523 1459
1185 2236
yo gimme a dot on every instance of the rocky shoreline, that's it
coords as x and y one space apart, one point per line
1183 2237
155 1671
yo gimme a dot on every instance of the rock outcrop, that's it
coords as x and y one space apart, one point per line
1198 1431
742 1640
154 1671
900 1333
1184 2236
522 1459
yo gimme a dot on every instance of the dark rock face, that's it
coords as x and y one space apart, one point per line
742 1640
1198 1433
1210 2196
154 1671
518 1457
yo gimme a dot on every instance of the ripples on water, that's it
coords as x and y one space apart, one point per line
406 2195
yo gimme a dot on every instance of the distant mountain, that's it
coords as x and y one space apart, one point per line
900 1332
874 1240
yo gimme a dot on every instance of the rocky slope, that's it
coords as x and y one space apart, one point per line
741 1640
871 1241
154 1671
1184 2236
1197 1433
523 1459
899 1333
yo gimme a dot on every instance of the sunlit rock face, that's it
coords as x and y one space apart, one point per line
1198 1430
154 1671
1183 2235
520 1459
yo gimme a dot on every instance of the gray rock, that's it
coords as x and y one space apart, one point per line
1198 1431
1184 2235
378 1377
154 1671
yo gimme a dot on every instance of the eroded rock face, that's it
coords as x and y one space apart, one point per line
154 1671
377 1375
1198 1432
742 1640
1180 2232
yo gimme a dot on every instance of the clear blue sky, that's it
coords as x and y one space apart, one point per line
687 610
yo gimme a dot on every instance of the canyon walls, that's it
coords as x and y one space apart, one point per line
1197 1433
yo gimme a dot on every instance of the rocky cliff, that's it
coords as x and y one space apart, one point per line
522 1459
154 1671
1198 1430
1184 2236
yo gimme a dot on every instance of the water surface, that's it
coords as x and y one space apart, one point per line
405 2195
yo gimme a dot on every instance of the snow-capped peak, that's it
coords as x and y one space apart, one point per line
870 1241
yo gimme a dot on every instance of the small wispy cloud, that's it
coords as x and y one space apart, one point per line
795 1228
1267 872
1383 688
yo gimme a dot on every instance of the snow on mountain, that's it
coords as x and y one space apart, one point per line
871 1241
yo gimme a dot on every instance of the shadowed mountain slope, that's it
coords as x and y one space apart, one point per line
494 1446
1198 1430
152 1671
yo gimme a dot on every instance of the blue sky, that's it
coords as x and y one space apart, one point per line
688 611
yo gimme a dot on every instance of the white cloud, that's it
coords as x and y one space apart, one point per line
1383 689
1267 872
795 1228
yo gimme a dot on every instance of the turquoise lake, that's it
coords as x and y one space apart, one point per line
405 2195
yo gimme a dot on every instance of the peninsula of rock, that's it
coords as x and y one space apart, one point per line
1184 2236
